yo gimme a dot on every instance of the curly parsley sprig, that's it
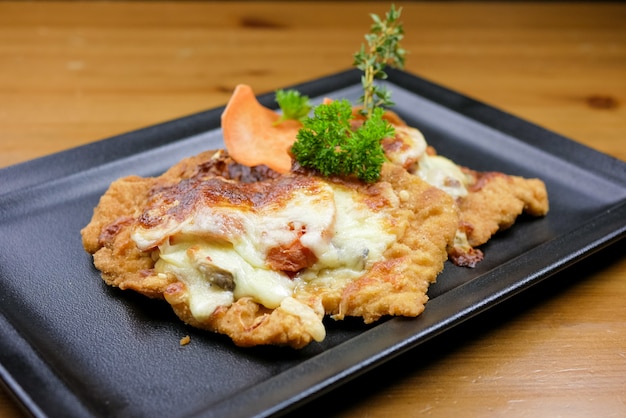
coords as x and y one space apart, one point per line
293 105
383 49
327 143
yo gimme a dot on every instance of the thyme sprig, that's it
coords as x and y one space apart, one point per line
383 49
328 142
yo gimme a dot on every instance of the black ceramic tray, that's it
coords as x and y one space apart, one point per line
71 346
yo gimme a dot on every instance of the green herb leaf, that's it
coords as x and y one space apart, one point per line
328 144
293 105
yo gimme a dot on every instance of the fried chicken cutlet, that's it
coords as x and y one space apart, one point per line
263 257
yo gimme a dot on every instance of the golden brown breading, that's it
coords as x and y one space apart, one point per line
107 237
424 221
494 202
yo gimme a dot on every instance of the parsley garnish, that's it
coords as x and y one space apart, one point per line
383 48
328 144
293 105
327 141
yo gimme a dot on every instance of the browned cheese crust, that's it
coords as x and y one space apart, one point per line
425 223
107 236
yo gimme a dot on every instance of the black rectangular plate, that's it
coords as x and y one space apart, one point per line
71 346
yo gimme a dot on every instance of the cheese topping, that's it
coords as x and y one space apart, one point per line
307 315
223 252
361 237
408 149
443 174
206 293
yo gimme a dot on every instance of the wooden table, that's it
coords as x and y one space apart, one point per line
76 72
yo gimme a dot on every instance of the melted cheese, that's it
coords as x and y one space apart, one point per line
251 230
266 286
361 237
216 247
307 315
436 170
443 174
410 145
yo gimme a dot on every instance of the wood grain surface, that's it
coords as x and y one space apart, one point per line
77 72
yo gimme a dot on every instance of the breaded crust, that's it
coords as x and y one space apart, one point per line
494 202
424 221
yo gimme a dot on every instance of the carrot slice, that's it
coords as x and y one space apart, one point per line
250 134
